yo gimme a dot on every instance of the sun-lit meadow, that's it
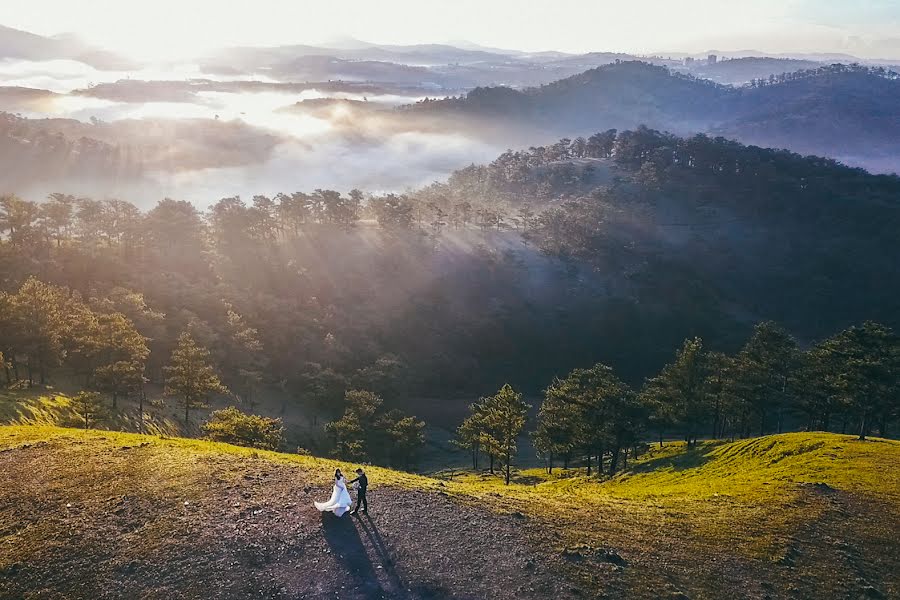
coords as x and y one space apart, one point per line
751 502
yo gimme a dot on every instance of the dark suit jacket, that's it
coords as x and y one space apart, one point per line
363 482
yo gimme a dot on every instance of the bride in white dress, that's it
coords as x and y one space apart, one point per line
340 500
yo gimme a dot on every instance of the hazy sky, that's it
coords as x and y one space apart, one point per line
168 28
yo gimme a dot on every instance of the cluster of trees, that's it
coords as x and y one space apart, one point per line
46 328
493 427
43 327
536 175
270 218
825 70
592 415
314 294
368 432
28 149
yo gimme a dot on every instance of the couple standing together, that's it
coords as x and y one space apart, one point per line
340 501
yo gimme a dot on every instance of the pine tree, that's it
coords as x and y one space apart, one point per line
243 346
765 371
505 415
557 430
39 325
593 394
121 353
404 437
351 440
866 371
190 377
364 432
89 408
679 394
470 434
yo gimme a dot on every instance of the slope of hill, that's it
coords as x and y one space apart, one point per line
840 113
88 514
619 95
847 112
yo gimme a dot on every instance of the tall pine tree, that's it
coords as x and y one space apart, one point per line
190 377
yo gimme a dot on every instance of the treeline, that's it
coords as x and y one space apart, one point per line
46 329
835 69
646 238
248 281
29 149
43 327
850 381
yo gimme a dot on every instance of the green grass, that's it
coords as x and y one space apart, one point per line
749 501
55 408
752 470
22 407
188 449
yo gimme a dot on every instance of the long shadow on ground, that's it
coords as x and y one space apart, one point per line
369 565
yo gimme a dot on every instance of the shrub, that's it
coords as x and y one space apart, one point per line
235 427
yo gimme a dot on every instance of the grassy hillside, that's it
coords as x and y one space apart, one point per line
89 514
50 407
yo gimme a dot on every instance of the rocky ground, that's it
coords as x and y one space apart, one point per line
103 515
227 527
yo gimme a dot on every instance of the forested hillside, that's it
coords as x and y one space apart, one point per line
842 111
612 249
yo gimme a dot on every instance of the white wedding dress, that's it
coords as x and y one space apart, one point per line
340 500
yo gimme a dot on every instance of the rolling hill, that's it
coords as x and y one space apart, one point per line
844 112
97 514
17 44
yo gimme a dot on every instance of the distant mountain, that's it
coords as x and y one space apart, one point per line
739 71
255 59
620 95
21 44
848 112
18 44
323 68
830 57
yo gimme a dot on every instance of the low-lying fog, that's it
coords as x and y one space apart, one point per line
202 137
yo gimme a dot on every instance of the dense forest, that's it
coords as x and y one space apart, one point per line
611 249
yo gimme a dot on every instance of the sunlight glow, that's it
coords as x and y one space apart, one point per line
167 29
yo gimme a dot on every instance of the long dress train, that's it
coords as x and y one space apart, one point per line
340 500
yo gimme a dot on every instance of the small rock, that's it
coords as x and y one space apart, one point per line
613 557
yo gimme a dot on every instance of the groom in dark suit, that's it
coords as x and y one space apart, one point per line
361 492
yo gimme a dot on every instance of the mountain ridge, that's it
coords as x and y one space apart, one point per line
845 111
